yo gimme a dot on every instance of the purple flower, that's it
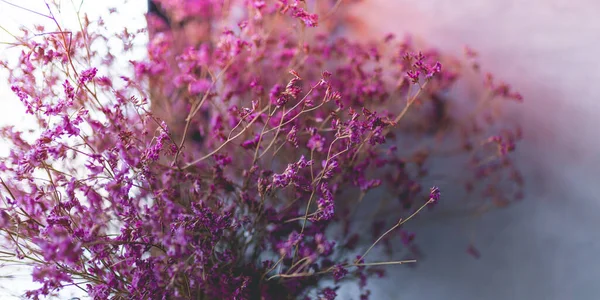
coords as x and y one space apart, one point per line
339 272
433 70
324 247
330 168
42 273
251 143
199 86
285 248
153 152
329 294
310 20
434 194
291 175
5 219
292 137
325 204
87 75
413 75
69 90
240 210
60 246
316 143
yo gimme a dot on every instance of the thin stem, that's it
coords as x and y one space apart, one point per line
225 143
273 267
26 9
383 263
398 224
196 108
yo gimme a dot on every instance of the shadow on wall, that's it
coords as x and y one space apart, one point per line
546 246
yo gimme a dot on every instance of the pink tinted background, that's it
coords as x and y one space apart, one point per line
546 247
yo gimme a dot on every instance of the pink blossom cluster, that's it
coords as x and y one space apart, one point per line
243 177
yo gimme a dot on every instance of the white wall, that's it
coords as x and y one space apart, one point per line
11 110
547 246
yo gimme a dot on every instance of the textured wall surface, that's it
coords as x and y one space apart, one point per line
547 246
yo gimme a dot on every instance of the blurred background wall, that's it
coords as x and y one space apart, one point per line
545 247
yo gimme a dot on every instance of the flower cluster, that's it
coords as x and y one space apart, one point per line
231 165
